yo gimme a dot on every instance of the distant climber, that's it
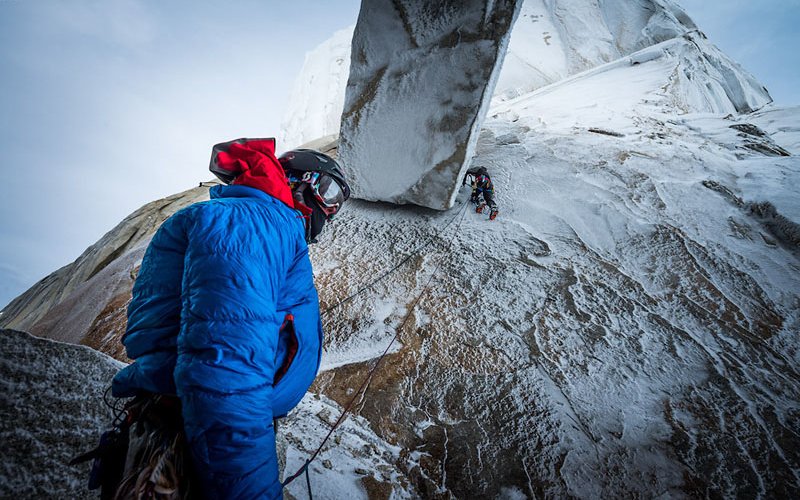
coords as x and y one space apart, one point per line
481 187
224 324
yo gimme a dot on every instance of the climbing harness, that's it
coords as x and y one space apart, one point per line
365 383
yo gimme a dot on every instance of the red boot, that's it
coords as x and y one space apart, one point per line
479 208
493 214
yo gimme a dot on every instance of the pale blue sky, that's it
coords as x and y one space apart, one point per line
106 105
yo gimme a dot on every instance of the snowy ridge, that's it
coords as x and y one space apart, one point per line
723 88
555 39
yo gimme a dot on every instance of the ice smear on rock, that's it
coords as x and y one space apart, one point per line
626 328
355 460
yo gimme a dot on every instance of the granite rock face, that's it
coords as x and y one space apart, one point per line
422 74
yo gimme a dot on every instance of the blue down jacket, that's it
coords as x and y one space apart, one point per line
225 315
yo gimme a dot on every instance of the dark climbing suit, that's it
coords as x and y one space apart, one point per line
482 185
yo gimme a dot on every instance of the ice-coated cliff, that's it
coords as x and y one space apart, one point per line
420 69
317 99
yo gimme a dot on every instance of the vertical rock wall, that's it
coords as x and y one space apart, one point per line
421 77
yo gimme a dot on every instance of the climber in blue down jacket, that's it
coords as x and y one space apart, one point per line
225 315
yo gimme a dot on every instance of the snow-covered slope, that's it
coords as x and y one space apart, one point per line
558 38
317 99
90 294
628 327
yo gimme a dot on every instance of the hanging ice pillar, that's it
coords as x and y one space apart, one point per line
422 74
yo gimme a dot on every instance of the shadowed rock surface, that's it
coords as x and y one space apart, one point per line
52 411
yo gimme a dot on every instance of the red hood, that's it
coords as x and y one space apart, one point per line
253 163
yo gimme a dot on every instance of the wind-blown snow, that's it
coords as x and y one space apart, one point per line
628 326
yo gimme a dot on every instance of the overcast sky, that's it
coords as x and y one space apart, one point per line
106 105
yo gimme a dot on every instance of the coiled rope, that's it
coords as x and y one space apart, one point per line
364 384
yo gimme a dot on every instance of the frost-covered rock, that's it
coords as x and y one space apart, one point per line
355 463
52 400
54 410
421 77
627 327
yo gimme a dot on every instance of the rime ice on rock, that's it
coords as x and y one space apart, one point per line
421 77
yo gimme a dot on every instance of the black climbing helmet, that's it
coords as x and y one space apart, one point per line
321 172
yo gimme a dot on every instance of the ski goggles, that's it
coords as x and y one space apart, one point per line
328 193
